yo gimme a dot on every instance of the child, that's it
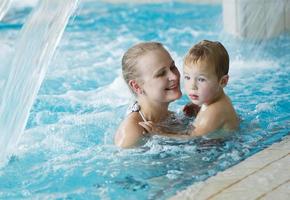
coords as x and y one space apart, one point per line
206 67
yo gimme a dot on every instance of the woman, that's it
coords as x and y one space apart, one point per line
152 76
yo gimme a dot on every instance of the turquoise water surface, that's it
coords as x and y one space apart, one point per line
67 149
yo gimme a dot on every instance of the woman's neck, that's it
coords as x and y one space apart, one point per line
152 111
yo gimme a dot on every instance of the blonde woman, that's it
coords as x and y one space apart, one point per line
153 78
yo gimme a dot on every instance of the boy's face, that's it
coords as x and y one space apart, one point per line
201 83
160 77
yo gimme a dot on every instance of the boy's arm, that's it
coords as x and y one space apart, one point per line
211 120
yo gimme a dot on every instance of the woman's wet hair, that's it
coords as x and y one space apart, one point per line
131 56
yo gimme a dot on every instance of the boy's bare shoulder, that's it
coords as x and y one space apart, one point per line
224 110
217 109
223 106
217 112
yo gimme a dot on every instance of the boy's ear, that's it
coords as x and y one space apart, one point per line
224 80
135 86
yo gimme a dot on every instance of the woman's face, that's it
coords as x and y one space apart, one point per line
160 78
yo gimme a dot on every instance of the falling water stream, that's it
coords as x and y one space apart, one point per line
35 48
4 6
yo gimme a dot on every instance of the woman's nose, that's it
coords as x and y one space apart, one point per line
173 75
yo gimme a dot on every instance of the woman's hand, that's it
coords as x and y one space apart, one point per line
150 127
154 129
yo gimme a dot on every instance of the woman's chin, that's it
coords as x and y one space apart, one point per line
172 95
176 96
179 95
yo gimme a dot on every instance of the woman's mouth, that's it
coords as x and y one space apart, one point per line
172 87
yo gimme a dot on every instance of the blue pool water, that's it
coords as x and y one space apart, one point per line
67 149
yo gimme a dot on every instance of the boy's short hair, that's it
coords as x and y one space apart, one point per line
209 51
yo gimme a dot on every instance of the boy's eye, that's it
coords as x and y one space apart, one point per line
201 79
186 77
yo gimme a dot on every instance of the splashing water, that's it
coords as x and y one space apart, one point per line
256 20
4 6
34 50
67 151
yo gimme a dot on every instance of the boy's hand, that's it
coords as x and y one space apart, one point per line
191 109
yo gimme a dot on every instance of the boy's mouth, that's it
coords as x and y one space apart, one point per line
193 96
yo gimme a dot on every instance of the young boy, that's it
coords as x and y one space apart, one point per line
206 67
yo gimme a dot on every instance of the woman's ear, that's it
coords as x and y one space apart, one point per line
135 86
224 80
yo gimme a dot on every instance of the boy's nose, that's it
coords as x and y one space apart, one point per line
194 85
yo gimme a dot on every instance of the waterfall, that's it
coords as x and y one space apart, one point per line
35 47
256 19
4 6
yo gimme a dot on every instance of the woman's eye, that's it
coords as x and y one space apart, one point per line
161 73
173 67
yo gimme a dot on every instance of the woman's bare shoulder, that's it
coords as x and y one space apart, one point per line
132 120
130 132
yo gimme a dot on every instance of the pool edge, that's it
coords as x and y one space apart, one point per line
164 1
265 175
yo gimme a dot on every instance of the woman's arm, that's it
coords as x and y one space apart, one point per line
203 125
154 129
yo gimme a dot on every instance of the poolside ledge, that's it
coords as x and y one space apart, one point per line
265 175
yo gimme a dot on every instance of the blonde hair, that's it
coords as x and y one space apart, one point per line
212 52
131 56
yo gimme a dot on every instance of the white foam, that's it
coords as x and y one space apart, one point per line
237 66
23 3
264 107
116 93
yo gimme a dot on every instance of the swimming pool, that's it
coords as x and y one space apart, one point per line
67 149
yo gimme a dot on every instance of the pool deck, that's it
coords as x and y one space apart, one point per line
263 176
